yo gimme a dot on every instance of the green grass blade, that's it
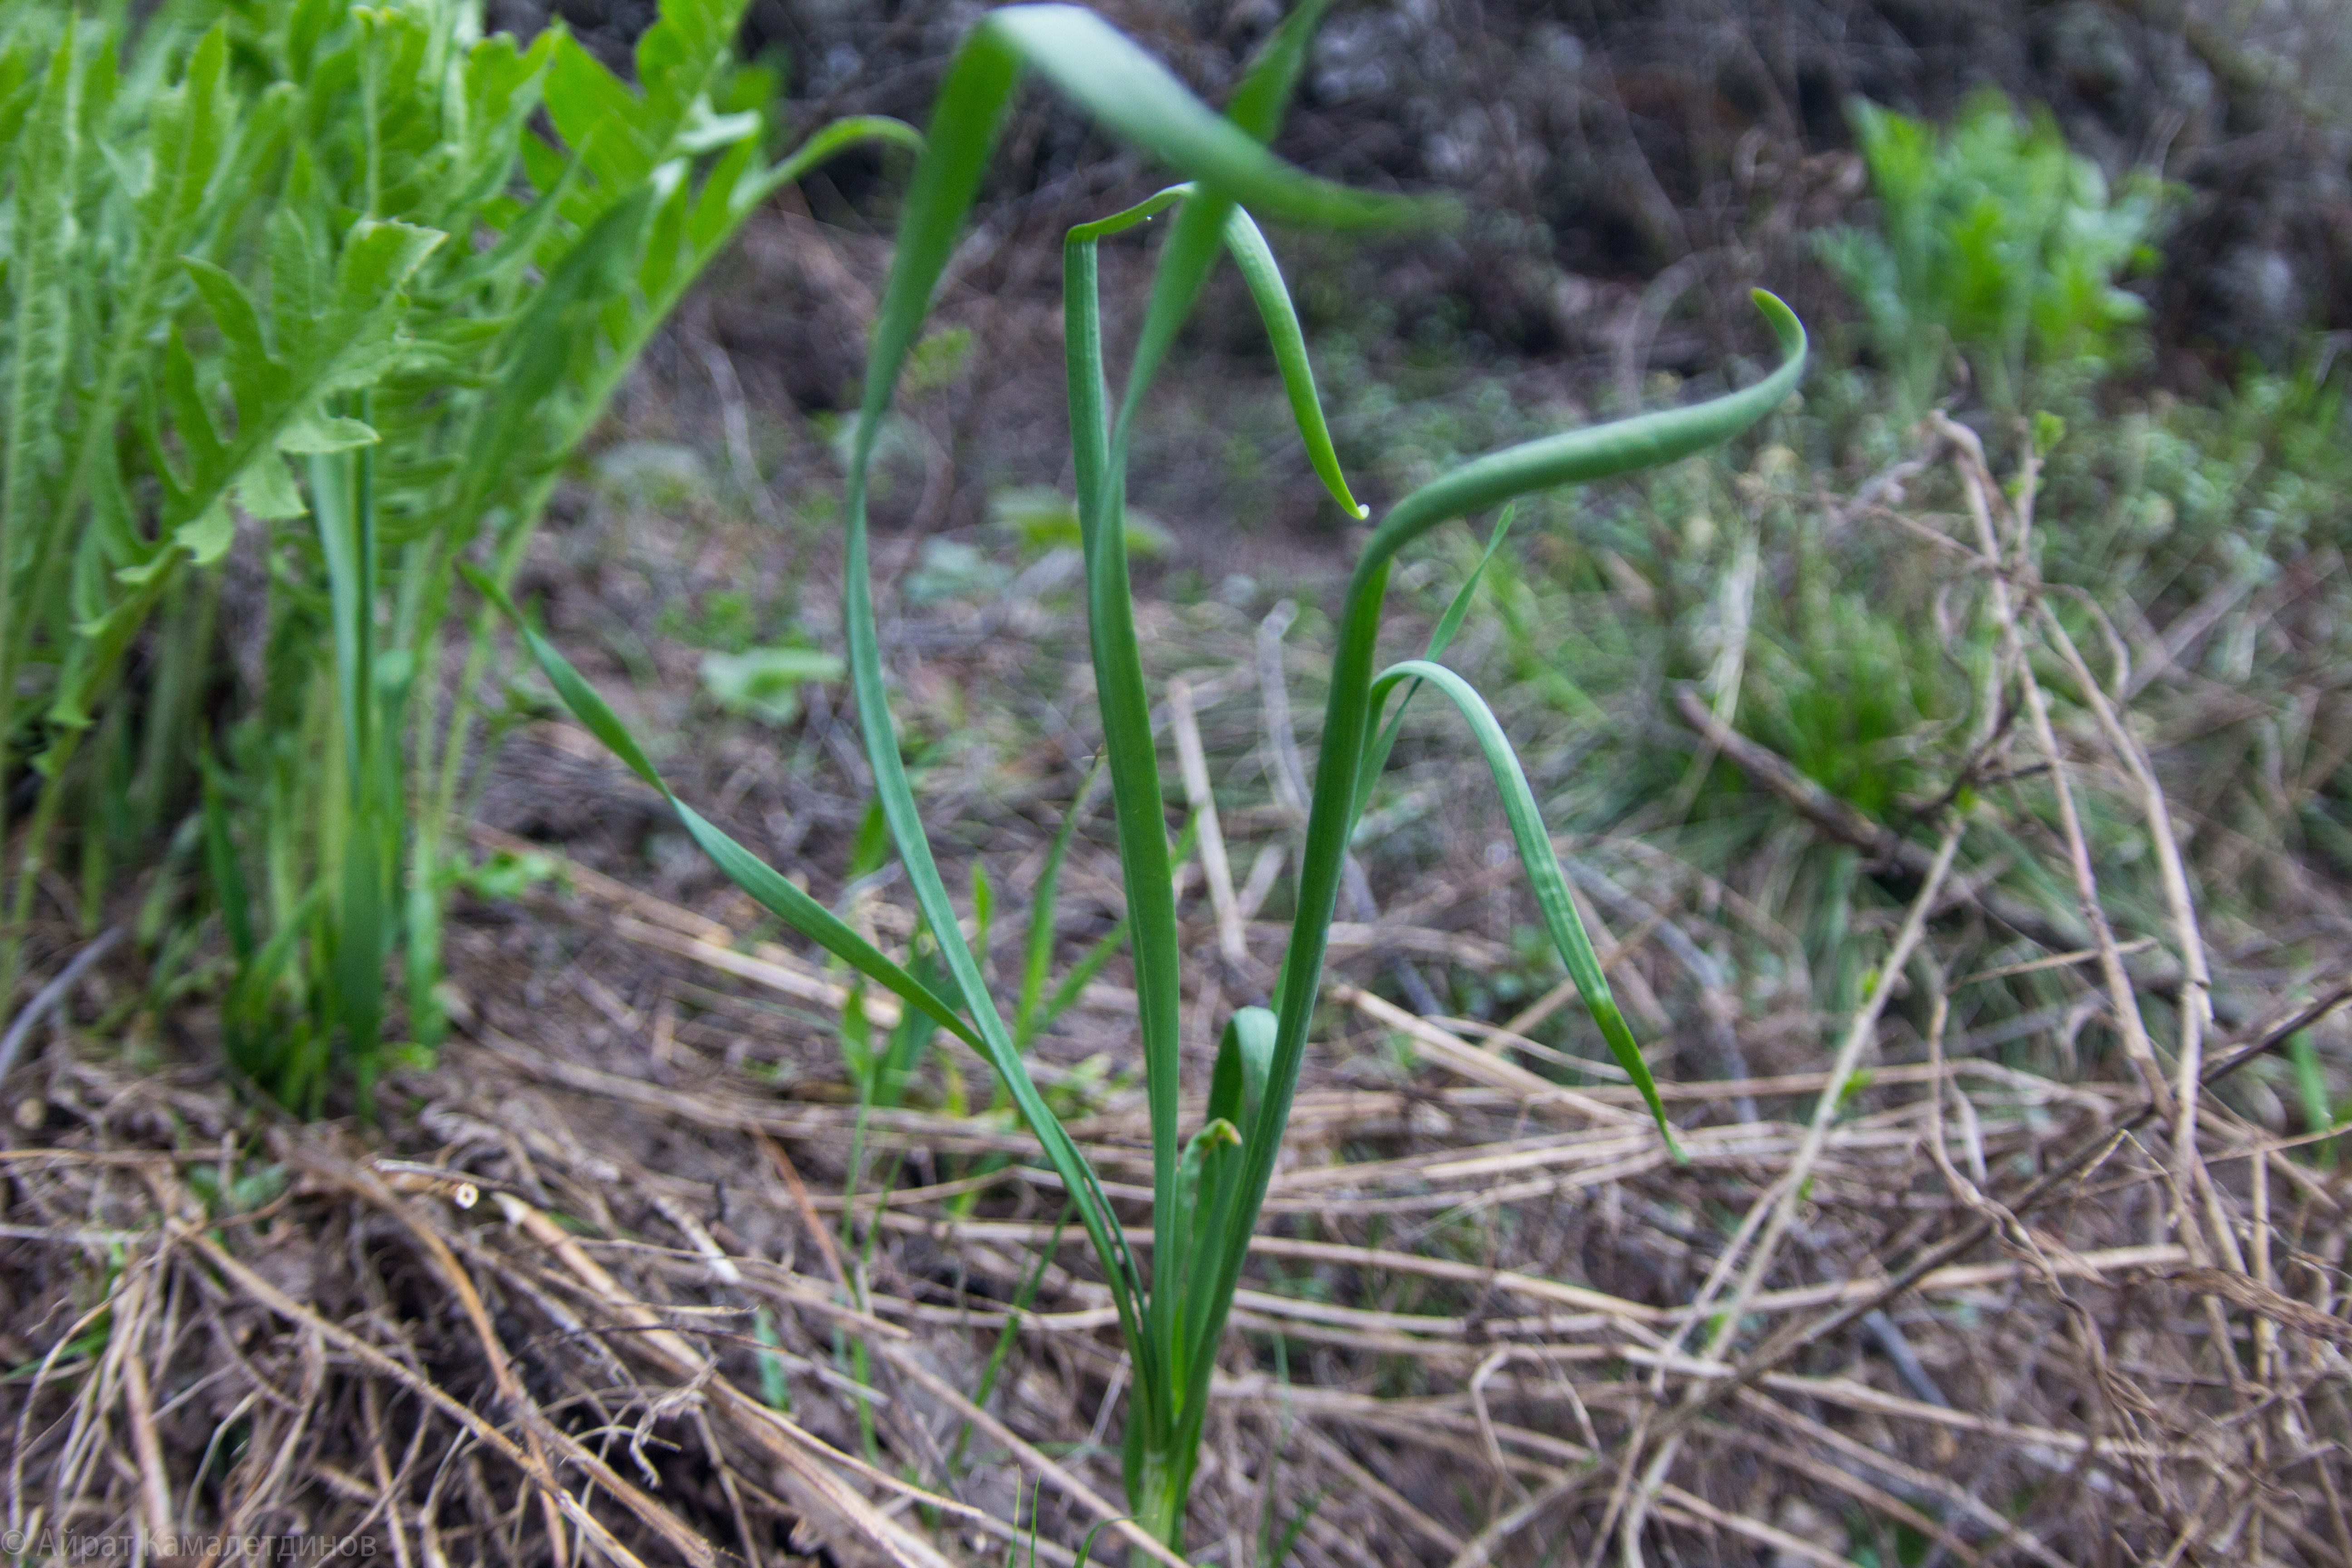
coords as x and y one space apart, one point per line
1562 922
1038 953
1085 1545
746 870
1281 1549
229 889
910 1038
1021 1301
1263 274
1098 957
1458 607
1377 761
1090 963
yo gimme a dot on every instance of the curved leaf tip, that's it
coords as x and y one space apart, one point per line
1786 327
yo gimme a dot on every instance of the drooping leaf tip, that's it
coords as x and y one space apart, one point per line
1785 325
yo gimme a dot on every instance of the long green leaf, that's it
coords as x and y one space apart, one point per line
1203 227
1130 753
1137 98
1260 271
1562 922
746 870
343 502
1377 761
1133 755
1038 953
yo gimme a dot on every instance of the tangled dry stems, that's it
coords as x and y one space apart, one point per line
1934 1307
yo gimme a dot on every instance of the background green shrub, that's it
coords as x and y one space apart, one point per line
302 281
1997 241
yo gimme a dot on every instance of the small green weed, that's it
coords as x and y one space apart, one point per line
1995 241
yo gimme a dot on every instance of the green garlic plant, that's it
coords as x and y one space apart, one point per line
1208 1184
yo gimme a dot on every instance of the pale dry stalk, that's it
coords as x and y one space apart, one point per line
2203 1226
1977 483
815 1466
2196 1002
1790 1189
1192 763
154 1487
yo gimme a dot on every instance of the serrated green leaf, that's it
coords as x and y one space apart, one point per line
316 435
266 490
41 248
299 265
207 536
252 371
